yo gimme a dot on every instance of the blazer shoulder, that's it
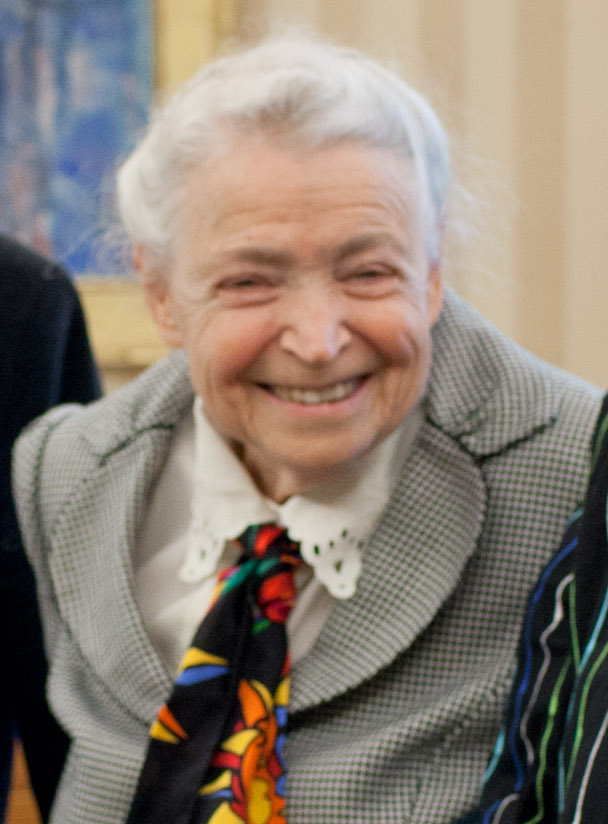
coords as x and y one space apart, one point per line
60 449
489 392
48 455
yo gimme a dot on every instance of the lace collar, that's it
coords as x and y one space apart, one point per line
331 522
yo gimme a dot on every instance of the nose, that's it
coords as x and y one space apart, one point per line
314 327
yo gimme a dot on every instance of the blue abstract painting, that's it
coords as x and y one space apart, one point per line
75 88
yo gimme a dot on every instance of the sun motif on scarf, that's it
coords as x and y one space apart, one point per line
251 781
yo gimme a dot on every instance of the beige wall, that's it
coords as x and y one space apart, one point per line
188 32
523 86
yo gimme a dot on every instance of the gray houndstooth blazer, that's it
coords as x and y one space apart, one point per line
394 711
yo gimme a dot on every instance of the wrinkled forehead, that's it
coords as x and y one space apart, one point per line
261 184
263 163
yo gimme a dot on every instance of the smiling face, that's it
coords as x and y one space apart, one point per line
302 295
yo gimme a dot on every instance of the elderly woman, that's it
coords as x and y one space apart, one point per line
335 433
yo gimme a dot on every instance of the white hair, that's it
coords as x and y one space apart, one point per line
292 88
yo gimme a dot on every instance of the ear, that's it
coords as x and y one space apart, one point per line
434 292
159 298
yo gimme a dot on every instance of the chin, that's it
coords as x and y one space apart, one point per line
316 466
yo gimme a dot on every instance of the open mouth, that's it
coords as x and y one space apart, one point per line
310 397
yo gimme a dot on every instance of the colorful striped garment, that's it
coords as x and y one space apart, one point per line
551 760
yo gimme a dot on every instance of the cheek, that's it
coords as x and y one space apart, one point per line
221 351
401 334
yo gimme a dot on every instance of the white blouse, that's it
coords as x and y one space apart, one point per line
205 497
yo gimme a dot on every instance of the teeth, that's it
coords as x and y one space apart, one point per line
312 396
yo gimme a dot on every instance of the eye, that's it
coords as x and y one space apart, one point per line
371 281
241 283
245 289
371 274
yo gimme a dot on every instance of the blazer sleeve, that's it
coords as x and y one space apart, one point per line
37 497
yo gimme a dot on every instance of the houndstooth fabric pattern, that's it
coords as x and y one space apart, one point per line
394 712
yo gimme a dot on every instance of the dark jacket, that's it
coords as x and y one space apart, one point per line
45 359
551 761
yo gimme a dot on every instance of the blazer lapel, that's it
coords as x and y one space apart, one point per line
410 567
93 575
